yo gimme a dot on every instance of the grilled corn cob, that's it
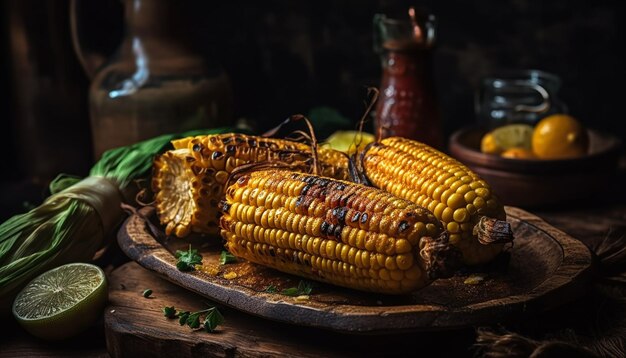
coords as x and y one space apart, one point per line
188 181
464 203
333 231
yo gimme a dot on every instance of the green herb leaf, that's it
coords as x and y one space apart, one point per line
213 319
187 260
147 293
304 288
292 291
227 258
193 320
169 312
182 317
270 289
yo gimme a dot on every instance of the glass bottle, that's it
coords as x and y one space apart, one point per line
407 105
156 83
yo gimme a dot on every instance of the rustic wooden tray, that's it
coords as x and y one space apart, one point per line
544 268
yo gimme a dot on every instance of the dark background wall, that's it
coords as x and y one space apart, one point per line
286 57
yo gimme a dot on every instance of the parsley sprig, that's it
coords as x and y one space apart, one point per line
187 260
169 312
212 318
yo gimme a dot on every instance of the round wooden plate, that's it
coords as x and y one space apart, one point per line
544 268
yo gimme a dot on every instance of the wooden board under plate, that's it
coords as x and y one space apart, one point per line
544 268
135 327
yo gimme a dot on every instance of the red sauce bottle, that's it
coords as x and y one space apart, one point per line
407 105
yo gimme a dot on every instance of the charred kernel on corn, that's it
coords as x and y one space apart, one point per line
351 242
188 181
456 196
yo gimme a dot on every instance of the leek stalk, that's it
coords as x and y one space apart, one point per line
72 224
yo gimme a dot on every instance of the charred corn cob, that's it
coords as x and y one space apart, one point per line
464 202
333 231
188 181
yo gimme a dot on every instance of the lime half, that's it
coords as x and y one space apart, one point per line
513 135
62 302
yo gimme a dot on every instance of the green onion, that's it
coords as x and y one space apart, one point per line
72 224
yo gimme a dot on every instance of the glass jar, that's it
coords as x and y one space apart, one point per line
523 96
407 105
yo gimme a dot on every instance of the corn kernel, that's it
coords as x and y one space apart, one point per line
436 193
404 261
460 215
439 210
455 201
402 246
445 195
230 275
482 192
384 274
456 185
474 280
453 227
469 196
431 229
479 203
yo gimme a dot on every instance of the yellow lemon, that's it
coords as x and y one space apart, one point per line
347 141
518 153
62 302
488 144
559 136
513 135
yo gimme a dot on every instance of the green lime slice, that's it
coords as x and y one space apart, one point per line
62 302
513 135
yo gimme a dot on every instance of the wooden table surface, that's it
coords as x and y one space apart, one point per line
590 224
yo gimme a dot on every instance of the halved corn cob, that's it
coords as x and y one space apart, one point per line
188 181
470 211
334 231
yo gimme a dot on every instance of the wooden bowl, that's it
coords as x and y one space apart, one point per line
540 183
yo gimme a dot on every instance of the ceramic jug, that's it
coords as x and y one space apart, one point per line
156 82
